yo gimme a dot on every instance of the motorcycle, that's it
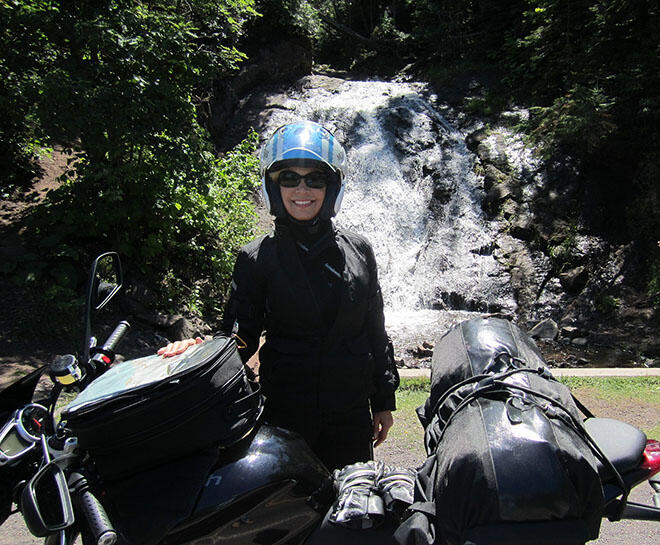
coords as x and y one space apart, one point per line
267 487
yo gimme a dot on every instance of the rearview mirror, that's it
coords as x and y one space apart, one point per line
105 280
46 502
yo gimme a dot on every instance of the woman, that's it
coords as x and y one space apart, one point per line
326 366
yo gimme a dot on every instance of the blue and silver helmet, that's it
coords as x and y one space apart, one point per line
303 143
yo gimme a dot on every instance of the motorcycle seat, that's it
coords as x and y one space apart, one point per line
622 443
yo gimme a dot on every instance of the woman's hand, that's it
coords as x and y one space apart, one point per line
383 421
178 347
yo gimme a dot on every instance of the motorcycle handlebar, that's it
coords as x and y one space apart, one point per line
97 518
105 355
116 336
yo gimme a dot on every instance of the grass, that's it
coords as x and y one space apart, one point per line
407 430
642 391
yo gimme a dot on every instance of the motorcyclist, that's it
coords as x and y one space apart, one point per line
326 366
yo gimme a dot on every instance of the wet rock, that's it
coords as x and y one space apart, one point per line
457 301
486 249
493 176
422 351
574 280
494 198
443 190
579 341
546 329
650 348
514 117
509 209
493 152
571 332
523 227
473 140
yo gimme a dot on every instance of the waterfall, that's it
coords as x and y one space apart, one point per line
412 191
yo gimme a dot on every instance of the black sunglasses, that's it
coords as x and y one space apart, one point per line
313 180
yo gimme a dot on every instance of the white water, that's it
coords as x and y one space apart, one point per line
398 149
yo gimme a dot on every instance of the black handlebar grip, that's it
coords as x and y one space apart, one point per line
116 336
97 518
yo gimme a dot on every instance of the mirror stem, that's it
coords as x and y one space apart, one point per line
44 448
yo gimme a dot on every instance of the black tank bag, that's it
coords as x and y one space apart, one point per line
144 412
505 442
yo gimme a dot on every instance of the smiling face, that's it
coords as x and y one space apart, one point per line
301 202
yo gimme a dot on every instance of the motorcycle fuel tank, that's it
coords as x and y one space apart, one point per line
261 494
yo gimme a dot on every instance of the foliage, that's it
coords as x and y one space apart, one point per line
282 18
606 304
117 82
353 31
417 384
449 32
182 223
579 119
562 247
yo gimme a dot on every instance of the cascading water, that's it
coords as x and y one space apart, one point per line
413 193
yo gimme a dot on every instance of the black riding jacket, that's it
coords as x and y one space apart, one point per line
318 299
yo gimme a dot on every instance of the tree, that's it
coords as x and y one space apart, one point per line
116 83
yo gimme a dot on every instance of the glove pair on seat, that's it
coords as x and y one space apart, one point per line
368 491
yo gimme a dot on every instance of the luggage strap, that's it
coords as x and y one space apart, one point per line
426 507
491 384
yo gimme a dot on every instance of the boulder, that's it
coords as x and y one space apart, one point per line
571 332
523 227
493 176
579 341
473 140
545 329
494 197
422 352
574 280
